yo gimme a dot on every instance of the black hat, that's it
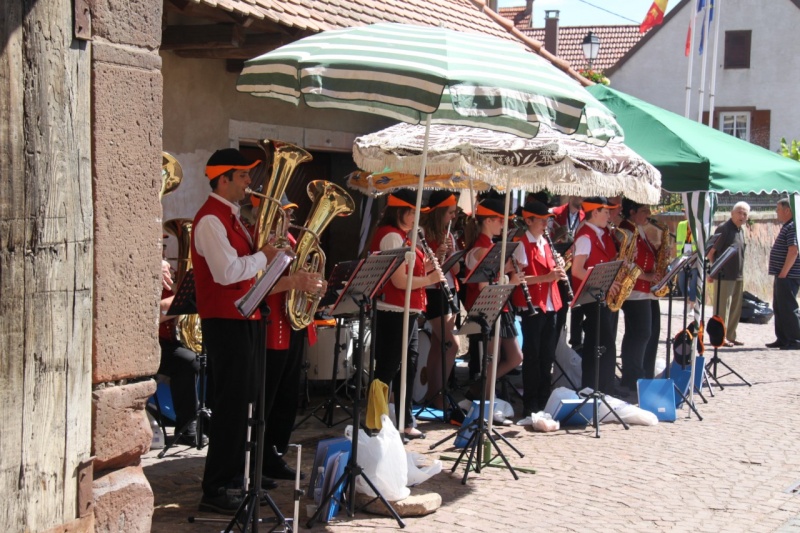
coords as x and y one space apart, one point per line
536 210
491 207
403 198
441 198
715 327
629 205
227 159
596 202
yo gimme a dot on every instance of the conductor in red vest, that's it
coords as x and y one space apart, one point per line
595 245
225 266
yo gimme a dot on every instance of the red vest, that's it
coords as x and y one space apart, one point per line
435 248
562 215
645 257
215 300
391 294
538 266
602 252
473 289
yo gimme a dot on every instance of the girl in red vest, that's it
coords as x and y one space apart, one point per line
538 331
443 210
490 215
594 245
642 313
395 224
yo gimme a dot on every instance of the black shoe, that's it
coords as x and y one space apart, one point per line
191 440
791 346
223 503
776 344
268 483
281 470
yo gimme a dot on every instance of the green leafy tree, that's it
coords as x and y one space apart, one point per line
792 151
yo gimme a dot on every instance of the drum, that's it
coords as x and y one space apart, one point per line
320 356
421 378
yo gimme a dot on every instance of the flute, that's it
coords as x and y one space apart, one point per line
560 262
524 286
432 258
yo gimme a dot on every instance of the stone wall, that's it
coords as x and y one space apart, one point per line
127 128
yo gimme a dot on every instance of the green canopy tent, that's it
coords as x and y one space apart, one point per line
696 160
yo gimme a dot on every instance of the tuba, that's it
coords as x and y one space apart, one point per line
271 219
328 201
663 256
188 327
629 272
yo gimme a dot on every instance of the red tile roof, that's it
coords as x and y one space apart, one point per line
615 41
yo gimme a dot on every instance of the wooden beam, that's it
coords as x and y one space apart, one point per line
253 45
203 37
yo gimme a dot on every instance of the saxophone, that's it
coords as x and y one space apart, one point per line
188 326
663 257
328 201
629 272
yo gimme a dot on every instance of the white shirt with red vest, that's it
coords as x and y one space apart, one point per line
223 259
537 260
392 298
597 244
646 259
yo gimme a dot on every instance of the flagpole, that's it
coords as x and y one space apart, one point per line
701 89
713 90
693 15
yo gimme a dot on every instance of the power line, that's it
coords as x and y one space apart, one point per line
610 12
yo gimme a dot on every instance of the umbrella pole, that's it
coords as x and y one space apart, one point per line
411 259
496 340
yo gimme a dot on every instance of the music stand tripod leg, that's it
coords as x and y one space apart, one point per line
202 416
353 469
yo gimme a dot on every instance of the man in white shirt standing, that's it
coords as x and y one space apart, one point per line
225 266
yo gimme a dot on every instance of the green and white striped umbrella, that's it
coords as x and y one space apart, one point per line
406 72
431 74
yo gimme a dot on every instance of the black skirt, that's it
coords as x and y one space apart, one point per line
438 306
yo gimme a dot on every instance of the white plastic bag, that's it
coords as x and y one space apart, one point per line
417 471
383 460
630 414
569 360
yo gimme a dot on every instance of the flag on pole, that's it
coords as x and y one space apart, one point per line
700 5
703 26
655 15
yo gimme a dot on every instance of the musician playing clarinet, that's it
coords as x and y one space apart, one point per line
595 245
395 224
541 274
442 211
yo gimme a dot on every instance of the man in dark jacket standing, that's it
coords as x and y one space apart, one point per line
785 266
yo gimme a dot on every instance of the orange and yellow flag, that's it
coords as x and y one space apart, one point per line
655 15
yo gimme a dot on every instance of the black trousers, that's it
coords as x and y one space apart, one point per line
787 314
235 373
388 356
606 325
538 353
281 393
640 342
182 367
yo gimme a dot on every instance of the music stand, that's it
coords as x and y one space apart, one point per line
487 270
184 303
683 262
248 512
374 271
448 403
340 277
594 288
716 359
482 316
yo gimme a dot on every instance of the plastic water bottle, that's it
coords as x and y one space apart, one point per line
158 435
318 485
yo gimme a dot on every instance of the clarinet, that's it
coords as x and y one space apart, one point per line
524 286
432 258
560 262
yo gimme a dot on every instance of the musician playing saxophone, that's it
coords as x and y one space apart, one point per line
225 265
641 309
594 245
538 331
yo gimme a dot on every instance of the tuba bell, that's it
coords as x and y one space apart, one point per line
188 326
271 219
171 174
629 272
328 201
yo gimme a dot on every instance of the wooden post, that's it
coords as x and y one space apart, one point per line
46 225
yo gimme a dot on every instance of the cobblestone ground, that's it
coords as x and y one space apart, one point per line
733 471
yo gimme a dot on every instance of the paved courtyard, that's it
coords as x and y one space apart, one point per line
733 471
